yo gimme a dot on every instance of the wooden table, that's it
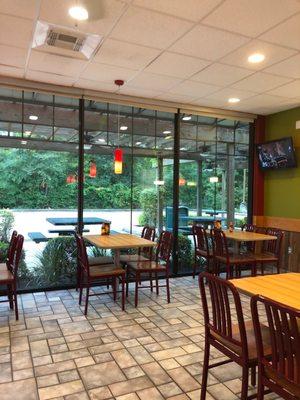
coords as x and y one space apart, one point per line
242 236
117 242
284 288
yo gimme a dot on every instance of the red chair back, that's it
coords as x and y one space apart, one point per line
248 228
218 312
200 238
261 229
14 265
164 247
11 248
284 363
148 233
82 254
220 246
273 246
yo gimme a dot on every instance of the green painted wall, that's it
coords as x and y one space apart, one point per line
282 188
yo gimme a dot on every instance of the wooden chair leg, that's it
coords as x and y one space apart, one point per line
151 282
10 297
156 281
136 294
168 288
78 278
278 267
114 285
127 281
262 268
205 370
245 377
123 292
260 386
253 376
194 267
15 301
87 299
80 293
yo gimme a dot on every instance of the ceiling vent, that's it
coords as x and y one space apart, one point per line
65 41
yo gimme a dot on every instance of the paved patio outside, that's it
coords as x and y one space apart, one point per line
152 352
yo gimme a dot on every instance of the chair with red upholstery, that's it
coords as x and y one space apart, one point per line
279 372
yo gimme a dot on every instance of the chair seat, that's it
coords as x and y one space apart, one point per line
99 271
237 259
100 260
147 266
265 257
5 275
127 258
252 351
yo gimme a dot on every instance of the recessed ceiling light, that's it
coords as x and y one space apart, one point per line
79 13
101 140
123 128
187 118
138 143
85 146
33 117
168 137
159 182
213 179
27 132
256 58
233 100
24 142
167 132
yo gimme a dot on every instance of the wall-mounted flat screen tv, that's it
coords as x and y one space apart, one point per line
277 154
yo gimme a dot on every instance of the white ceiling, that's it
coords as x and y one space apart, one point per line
191 51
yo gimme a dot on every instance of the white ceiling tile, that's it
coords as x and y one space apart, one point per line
15 31
19 8
263 101
49 78
107 73
95 85
177 65
149 28
253 17
11 71
208 43
13 56
272 52
289 67
195 89
193 10
44 62
221 74
226 93
291 90
260 82
146 80
100 20
179 98
131 91
123 54
285 34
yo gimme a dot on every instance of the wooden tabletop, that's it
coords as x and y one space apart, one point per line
243 236
284 288
119 241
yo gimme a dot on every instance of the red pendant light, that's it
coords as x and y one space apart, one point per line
182 181
118 161
69 179
93 169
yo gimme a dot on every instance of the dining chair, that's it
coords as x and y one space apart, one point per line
249 246
201 246
160 264
221 307
271 250
279 372
223 257
10 252
9 276
97 275
143 254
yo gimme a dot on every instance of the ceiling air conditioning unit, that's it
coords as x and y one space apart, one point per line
64 41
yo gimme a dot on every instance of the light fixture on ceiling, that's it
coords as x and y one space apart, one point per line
256 58
27 133
24 142
191 183
33 117
93 169
118 153
123 128
187 118
159 182
167 132
233 100
79 13
101 140
168 137
138 143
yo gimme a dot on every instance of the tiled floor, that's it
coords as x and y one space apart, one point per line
153 352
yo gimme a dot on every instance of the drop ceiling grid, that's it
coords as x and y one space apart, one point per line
279 88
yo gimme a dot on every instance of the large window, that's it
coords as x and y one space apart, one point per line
39 157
